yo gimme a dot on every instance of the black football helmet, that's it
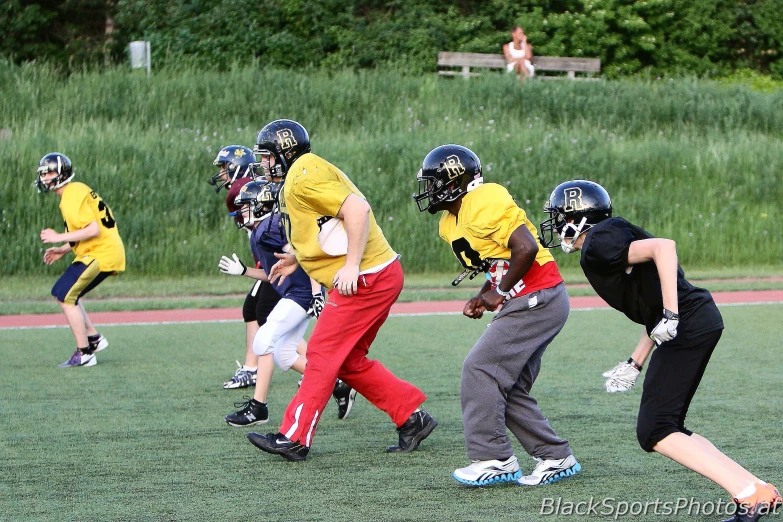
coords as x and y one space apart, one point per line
283 140
53 162
446 173
261 197
235 162
583 203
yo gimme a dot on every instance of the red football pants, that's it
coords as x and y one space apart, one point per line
338 348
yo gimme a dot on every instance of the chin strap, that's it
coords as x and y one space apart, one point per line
578 231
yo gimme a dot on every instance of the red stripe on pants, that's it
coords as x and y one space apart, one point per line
338 348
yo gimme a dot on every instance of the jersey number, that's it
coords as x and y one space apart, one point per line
107 221
464 251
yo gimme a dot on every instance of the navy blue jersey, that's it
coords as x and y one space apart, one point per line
267 238
637 293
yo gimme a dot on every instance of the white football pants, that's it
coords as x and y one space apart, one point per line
280 335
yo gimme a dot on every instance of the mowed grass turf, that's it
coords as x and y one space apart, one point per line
141 435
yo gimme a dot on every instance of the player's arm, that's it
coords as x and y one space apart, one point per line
90 231
355 213
523 253
52 254
234 266
622 377
474 308
663 252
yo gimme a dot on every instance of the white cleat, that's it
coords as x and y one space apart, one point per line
489 472
549 471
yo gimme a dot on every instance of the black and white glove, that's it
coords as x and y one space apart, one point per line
622 377
232 267
666 329
316 305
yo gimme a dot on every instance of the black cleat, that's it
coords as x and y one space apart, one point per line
417 428
278 444
344 396
251 412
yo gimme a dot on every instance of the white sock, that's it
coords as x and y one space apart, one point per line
249 369
748 491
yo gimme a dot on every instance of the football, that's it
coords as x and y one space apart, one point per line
332 238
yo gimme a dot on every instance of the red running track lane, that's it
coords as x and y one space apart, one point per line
235 314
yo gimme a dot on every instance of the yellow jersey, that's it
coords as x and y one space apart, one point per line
312 195
80 206
487 218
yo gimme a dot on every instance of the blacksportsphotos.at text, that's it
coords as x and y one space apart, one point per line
616 508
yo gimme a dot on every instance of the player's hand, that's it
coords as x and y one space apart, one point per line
621 378
232 266
666 329
283 268
50 236
492 300
474 308
52 254
316 305
346 280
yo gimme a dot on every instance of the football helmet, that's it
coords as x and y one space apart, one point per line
261 197
573 207
235 162
284 141
53 162
447 172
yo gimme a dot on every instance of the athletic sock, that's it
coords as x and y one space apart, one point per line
94 338
249 369
745 493
86 351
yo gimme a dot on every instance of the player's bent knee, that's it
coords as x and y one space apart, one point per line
285 359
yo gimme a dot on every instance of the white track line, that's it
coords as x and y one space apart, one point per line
418 314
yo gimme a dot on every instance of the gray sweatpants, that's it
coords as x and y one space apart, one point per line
499 372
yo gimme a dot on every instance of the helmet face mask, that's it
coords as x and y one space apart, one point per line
53 162
256 202
447 173
574 207
234 162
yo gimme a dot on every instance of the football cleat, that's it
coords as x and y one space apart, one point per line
242 378
79 359
489 472
251 412
279 444
97 343
417 428
344 396
549 471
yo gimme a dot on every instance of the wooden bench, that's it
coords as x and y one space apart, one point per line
497 61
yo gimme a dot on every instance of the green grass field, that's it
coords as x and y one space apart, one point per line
696 161
140 436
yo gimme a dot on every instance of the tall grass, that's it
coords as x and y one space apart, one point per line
699 162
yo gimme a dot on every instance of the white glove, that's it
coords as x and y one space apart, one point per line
666 329
316 305
622 378
235 267
609 373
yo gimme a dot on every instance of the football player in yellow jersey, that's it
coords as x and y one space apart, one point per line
335 239
91 233
489 233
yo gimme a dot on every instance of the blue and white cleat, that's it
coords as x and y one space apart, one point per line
489 472
549 471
